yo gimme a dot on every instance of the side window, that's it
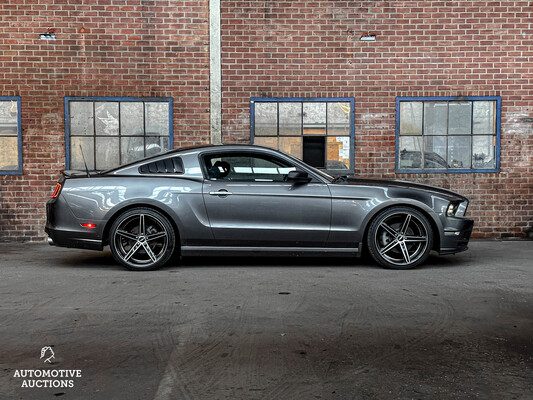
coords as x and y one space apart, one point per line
246 167
10 136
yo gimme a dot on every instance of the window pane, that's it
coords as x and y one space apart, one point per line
339 118
459 151
157 118
338 153
410 152
8 117
314 151
156 145
483 152
77 144
291 145
267 141
131 118
314 118
410 118
484 117
107 152
9 153
266 119
290 118
435 152
106 122
131 149
81 118
435 116
459 118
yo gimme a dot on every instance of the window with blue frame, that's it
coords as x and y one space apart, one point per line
105 132
448 134
10 136
319 131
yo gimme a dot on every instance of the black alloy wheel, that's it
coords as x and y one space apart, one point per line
142 239
400 238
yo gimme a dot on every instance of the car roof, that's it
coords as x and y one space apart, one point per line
216 146
189 149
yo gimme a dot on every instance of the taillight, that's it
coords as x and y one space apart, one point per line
56 191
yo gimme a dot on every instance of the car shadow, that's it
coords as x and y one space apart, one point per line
270 261
104 260
434 261
89 260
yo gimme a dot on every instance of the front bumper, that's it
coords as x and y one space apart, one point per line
456 235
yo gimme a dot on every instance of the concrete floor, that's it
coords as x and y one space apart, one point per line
460 327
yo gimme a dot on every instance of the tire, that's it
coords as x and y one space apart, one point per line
142 239
400 238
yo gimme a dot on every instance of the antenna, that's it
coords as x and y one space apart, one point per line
84 162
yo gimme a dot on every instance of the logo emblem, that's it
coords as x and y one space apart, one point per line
44 351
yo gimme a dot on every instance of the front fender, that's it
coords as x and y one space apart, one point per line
431 215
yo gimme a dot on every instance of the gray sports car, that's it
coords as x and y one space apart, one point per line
239 199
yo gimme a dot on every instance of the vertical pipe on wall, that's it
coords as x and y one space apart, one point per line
215 73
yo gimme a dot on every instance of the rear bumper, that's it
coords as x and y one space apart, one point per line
456 235
72 239
64 229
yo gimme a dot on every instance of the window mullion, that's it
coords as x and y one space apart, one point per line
472 135
326 140
277 121
302 120
119 136
422 150
447 166
94 134
326 121
144 128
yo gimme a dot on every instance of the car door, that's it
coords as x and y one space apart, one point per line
249 204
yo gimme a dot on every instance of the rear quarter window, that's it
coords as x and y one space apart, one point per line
172 165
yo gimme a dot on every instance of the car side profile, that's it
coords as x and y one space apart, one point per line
244 199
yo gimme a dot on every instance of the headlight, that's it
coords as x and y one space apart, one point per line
456 209
461 209
452 208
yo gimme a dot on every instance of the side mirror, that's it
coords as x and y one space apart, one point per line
298 177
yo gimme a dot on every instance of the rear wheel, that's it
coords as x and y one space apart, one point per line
400 238
142 239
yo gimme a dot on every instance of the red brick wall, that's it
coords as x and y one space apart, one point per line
144 48
277 49
424 48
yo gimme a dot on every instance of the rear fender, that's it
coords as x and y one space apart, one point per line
116 211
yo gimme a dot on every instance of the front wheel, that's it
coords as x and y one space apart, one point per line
400 238
142 239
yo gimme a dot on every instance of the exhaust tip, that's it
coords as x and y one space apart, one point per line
51 242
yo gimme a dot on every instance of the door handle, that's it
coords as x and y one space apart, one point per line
221 193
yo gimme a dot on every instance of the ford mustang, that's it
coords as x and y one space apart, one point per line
249 200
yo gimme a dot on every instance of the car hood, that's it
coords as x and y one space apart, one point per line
447 194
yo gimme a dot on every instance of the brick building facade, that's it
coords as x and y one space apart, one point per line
418 50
